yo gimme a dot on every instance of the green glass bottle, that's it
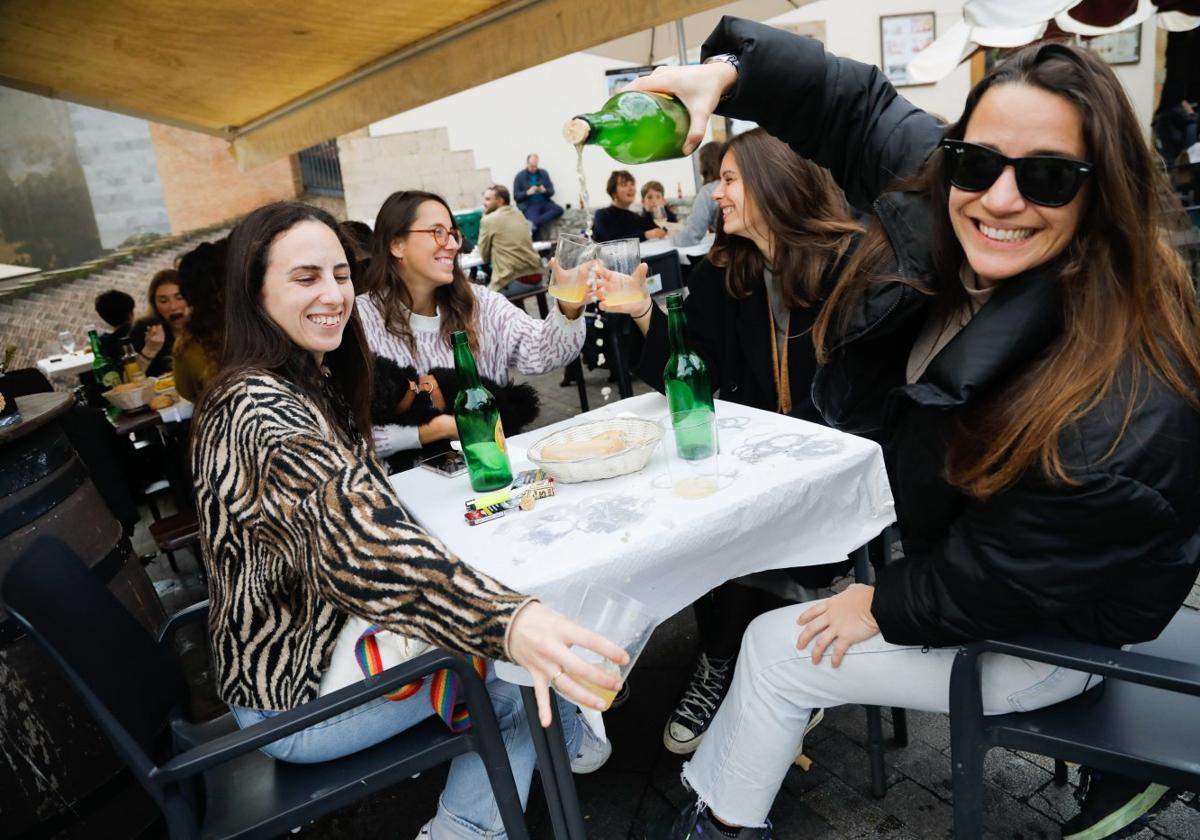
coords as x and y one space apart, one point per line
478 421
107 374
689 389
634 127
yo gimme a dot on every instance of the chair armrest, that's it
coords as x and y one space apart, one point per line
189 615
1130 666
227 747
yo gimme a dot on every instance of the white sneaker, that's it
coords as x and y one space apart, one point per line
593 751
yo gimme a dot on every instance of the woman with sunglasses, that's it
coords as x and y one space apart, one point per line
416 296
1017 331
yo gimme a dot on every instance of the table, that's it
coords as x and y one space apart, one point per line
796 494
473 260
65 365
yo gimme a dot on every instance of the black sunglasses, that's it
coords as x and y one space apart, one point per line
1048 180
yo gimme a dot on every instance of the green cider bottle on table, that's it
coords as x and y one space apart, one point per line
634 127
689 389
107 374
478 420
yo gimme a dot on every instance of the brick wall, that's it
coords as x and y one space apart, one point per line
201 182
375 167
33 320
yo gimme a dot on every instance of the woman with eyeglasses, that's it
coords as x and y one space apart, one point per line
416 296
1017 331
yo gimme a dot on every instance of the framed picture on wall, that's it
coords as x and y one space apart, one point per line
1124 47
901 37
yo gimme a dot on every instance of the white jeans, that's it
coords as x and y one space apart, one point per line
759 729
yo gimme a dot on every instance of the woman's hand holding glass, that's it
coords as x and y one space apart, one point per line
573 286
540 641
624 293
841 621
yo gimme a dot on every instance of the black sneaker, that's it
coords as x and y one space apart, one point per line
1109 803
707 688
693 822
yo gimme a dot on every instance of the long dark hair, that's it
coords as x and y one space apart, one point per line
255 342
202 281
385 283
804 213
1127 295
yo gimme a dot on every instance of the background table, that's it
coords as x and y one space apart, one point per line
65 365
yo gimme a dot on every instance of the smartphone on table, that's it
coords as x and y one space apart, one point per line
448 463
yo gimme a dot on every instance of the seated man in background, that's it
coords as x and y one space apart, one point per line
116 308
505 242
534 189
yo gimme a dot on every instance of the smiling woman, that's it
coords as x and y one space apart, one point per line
1017 330
417 296
301 530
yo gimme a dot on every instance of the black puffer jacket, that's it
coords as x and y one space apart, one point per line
1108 558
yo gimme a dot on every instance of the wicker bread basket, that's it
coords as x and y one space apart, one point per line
129 397
642 436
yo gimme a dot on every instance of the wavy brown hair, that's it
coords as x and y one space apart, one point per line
385 284
160 278
1128 302
805 216
253 341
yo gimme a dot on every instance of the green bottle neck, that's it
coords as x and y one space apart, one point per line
94 343
676 326
464 361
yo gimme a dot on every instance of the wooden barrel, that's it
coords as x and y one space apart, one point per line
57 760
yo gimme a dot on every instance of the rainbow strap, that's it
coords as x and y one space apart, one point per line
443 691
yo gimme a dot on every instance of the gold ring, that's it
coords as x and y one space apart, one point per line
556 676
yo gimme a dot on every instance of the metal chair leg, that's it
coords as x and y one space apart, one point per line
899 727
576 369
1060 772
967 747
545 764
875 748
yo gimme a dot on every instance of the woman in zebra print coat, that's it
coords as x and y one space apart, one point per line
300 527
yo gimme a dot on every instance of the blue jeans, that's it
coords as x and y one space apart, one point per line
463 811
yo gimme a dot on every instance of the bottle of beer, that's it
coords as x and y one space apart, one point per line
478 422
107 374
686 381
129 365
634 127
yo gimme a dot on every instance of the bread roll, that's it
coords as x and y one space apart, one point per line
162 401
605 443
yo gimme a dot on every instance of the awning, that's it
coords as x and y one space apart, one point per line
278 77
1014 23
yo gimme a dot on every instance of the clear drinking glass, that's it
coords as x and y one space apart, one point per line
692 451
574 268
67 339
621 258
620 618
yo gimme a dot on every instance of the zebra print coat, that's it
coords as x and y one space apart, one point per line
299 529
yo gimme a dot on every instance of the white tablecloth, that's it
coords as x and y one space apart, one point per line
473 259
65 366
796 494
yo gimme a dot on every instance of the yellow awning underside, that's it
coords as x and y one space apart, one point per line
277 77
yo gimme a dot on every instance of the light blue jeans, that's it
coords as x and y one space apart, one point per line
759 729
464 811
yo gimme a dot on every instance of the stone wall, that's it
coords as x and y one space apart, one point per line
202 184
117 156
375 167
45 212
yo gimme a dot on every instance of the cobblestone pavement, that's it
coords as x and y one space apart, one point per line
832 801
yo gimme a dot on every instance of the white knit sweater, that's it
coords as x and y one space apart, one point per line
508 338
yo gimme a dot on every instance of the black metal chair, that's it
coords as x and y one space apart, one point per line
878 552
1142 720
211 780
